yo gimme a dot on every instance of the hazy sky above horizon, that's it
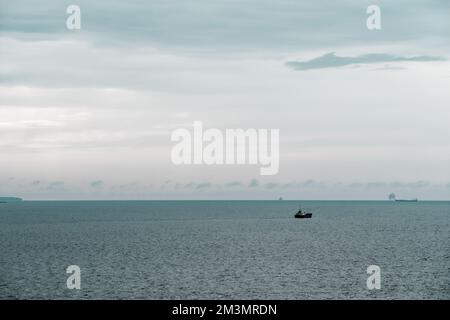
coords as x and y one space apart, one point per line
88 114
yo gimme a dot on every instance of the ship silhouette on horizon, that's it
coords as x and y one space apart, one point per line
392 197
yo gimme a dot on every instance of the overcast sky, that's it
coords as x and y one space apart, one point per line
88 114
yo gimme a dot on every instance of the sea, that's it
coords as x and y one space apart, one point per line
224 249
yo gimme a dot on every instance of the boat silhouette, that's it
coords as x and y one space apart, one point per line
302 214
392 197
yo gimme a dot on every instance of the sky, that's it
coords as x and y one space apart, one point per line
88 113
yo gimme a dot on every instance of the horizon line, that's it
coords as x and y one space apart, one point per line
274 200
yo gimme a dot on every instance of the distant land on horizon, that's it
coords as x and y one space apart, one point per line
9 199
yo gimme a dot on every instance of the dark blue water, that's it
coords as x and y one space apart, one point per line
224 249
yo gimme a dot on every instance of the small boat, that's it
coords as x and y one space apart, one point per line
303 214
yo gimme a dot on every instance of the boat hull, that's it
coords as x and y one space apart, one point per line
303 216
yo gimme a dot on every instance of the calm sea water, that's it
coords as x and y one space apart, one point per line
224 249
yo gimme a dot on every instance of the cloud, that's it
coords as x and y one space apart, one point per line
331 60
302 185
204 185
393 184
97 184
105 98
233 184
237 24
254 183
56 185
389 67
310 183
271 185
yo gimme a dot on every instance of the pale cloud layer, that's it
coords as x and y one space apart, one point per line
240 190
212 24
331 60
89 113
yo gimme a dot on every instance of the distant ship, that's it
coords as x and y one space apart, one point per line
392 197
